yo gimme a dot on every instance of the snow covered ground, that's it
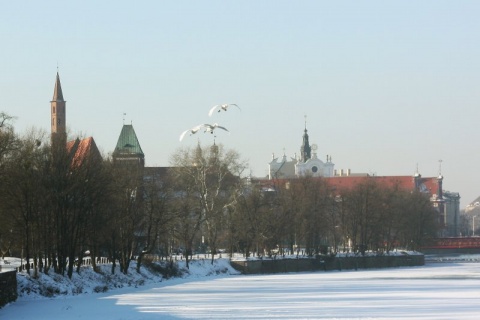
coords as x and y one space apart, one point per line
442 289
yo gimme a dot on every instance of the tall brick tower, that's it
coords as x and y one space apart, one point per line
58 116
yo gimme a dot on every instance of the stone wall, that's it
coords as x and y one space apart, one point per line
8 287
326 263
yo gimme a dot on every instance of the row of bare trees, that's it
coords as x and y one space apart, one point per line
50 205
55 208
307 214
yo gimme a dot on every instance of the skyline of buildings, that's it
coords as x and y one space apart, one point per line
128 149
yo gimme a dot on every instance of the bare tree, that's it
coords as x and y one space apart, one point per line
417 223
93 197
8 143
75 183
189 218
314 214
8 140
213 176
245 224
128 225
159 214
24 193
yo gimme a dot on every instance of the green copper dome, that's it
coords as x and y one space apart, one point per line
128 143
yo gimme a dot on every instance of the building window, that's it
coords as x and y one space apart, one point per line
53 110
314 169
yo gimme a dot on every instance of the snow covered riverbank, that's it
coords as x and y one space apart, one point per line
88 281
440 290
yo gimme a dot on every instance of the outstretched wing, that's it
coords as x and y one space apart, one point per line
183 134
223 128
213 110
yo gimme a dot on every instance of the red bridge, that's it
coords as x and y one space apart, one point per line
453 245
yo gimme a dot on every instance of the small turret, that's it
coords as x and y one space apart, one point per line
440 182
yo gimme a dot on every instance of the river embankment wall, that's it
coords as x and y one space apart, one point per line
8 286
326 263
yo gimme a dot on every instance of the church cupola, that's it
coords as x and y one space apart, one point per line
58 115
305 150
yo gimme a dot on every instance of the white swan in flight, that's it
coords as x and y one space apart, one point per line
220 107
192 131
211 127
208 128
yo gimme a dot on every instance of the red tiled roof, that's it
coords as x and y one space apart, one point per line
403 182
348 182
80 150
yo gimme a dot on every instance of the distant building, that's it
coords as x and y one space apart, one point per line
128 150
452 213
78 150
470 220
446 203
306 164
82 150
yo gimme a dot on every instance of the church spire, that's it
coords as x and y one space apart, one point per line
58 116
305 150
57 92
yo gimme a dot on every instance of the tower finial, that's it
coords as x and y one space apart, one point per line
440 167
124 114
305 122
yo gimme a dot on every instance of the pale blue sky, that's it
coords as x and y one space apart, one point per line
385 85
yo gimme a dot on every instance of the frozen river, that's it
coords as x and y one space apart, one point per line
435 291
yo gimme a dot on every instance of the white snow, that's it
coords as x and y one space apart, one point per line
442 289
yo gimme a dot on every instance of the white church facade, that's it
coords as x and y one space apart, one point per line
306 164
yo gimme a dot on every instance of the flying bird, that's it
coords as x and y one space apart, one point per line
211 127
208 128
220 107
192 131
